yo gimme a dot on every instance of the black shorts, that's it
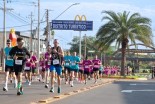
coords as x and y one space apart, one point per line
33 70
87 72
95 69
18 69
81 71
67 69
9 68
100 72
43 69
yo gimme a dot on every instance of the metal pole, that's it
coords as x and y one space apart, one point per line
66 10
38 31
47 28
4 33
80 44
31 33
85 47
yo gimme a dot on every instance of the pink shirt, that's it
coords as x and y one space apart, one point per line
81 66
28 64
33 60
96 63
87 64
47 59
41 64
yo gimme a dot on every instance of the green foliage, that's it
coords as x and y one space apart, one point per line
123 28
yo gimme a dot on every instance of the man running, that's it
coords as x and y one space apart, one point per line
56 65
87 68
19 55
34 61
74 68
8 66
67 65
48 63
96 67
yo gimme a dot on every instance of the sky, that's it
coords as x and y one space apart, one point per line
90 8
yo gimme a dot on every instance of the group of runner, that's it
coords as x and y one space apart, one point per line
52 65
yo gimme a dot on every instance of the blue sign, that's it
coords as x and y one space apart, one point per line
72 25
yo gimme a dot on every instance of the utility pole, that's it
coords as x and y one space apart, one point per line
47 27
31 43
38 54
4 31
85 46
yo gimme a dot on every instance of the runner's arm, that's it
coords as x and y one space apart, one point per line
27 53
12 52
60 52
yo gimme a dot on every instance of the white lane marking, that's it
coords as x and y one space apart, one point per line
127 91
130 91
134 84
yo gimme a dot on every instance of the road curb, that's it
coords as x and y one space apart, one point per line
74 92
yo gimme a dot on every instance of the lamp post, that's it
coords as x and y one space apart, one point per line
38 31
66 10
4 34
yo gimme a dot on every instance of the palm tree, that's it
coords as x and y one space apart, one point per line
123 28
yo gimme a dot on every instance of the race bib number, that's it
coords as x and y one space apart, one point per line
67 64
86 67
55 62
73 63
18 62
49 63
96 66
9 58
27 68
40 68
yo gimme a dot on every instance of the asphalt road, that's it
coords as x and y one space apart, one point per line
37 92
119 92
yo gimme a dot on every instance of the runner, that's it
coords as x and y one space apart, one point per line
42 69
67 66
87 68
74 68
56 65
8 66
81 71
34 61
48 63
96 67
19 55
101 71
28 71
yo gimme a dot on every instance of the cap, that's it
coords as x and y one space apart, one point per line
8 41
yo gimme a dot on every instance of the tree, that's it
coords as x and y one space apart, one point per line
89 44
123 28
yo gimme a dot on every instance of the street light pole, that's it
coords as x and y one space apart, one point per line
38 31
66 10
80 45
4 33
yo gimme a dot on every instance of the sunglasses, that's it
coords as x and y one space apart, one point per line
8 43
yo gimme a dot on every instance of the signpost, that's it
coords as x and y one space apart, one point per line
76 25
72 25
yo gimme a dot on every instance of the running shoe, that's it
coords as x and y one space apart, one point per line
46 86
29 83
15 85
72 84
5 89
52 90
59 90
20 92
